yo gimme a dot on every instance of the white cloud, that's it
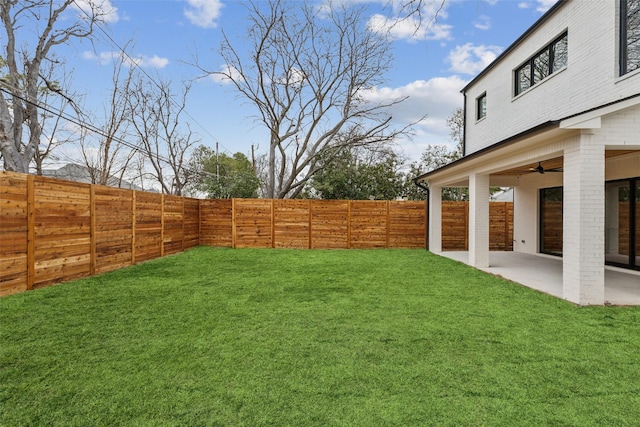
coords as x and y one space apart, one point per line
436 98
221 76
483 23
203 13
106 57
544 5
471 59
405 23
108 12
153 61
409 29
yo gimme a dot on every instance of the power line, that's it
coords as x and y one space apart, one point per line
137 65
83 125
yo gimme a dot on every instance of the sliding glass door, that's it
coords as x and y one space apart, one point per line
622 222
551 221
622 213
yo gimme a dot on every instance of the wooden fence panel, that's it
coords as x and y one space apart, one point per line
52 230
329 224
113 232
253 223
173 233
500 228
191 223
291 224
455 225
13 233
407 224
148 223
216 222
368 224
62 231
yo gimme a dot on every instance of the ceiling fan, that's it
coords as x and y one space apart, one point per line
540 169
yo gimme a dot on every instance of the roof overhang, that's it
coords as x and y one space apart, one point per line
487 160
456 172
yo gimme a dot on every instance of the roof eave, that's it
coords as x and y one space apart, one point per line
519 40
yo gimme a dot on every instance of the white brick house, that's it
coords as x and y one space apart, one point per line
563 98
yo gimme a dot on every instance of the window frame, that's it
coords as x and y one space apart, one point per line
481 106
528 67
623 40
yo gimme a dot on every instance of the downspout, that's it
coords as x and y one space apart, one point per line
464 124
426 208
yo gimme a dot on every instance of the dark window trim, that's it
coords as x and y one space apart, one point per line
541 222
623 37
479 111
634 222
623 40
529 63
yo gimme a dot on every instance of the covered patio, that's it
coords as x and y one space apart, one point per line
596 182
544 273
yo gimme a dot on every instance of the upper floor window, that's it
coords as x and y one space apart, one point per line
629 36
552 58
481 106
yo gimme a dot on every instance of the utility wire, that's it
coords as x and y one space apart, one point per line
136 65
83 125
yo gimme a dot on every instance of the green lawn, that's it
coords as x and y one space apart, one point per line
304 338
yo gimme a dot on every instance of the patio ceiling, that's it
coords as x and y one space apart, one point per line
552 165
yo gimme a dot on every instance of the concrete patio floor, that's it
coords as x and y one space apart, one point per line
544 273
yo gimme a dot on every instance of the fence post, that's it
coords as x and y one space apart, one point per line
162 225
309 208
92 229
348 224
273 224
133 227
386 242
31 231
233 223
184 217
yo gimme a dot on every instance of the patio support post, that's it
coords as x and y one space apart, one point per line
479 221
435 218
584 220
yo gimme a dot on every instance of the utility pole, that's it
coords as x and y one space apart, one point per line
217 165
253 159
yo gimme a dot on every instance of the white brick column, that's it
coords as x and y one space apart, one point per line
479 221
435 218
583 220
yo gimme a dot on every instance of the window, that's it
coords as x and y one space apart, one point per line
549 60
481 106
629 36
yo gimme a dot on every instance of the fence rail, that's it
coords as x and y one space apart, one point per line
52 231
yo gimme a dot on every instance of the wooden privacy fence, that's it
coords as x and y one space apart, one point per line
455 226
53 231
313 224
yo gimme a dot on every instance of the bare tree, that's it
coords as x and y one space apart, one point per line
164 142
20 86
110 155
309 73
55 131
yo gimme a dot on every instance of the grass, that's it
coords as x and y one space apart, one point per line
312 338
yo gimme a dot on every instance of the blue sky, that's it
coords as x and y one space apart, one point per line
430 66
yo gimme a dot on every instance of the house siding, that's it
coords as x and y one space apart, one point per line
590 79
